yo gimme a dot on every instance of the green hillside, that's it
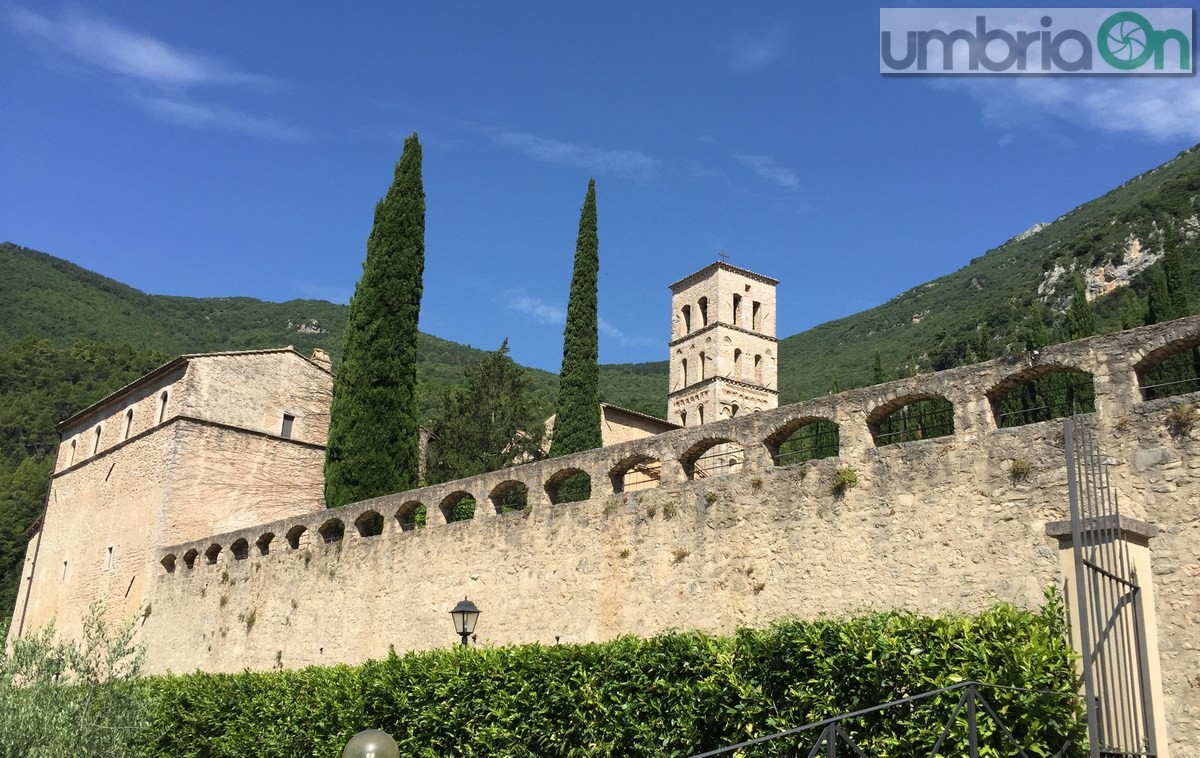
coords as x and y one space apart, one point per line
934 325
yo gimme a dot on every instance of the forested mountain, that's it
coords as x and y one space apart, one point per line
977 311
71 336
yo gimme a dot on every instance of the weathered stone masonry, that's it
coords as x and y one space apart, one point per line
933 525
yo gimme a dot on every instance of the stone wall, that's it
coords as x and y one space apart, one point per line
253 390
933 525
181 480
129 414
159 475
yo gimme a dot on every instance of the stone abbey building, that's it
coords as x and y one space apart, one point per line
192 500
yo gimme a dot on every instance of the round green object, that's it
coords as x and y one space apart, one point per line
371 743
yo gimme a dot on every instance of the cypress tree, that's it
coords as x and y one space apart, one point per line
1159 305
1081 321
372 448
877 369
1034 335
1173 269
577 421
1131 309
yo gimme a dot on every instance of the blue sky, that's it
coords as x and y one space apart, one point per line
215 149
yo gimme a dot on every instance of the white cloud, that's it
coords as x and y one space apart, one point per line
199 115
556 315
1159 108
612 332
122 51
628 163
747 52
767 168
541 311
154 73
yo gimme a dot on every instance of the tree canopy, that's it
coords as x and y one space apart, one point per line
373 448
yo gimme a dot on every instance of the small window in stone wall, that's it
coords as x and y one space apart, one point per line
71 462
128 423
162 406
288 421
240 549
96 444
756 316
64 576
332 530
108 559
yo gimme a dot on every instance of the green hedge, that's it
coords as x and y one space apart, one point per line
675 694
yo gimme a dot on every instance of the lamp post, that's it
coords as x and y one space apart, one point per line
465 614
371 743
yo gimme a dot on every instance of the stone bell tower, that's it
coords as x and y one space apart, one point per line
723 345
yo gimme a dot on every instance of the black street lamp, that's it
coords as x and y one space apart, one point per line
465 614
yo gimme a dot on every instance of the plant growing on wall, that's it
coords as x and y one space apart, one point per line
844 478
372 448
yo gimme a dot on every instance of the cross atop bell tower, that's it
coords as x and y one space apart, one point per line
723 344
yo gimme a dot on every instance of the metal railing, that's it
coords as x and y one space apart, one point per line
722 458
923 419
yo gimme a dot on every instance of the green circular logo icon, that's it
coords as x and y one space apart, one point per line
1125 40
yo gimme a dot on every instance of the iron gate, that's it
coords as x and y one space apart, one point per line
1111 623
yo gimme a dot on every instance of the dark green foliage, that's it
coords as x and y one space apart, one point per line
810 442
1172 267
372 447
577 419
1033 332
463 510
488 424
877 370
512 500
1081 322
575 489
50 298
1132 314
919 420
1180 373
1055 395
1160 306
672 695
577 415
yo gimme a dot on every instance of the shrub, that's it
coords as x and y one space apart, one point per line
1019 470
675 694
61 697
1181 419
843 479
